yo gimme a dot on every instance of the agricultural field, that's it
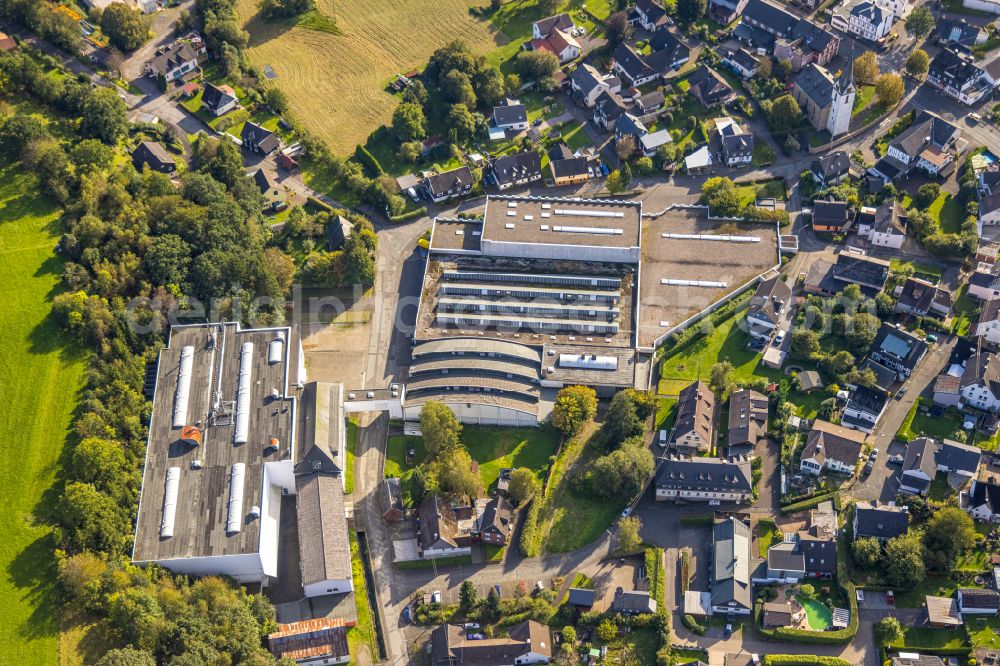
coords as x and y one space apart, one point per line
40 376
337 83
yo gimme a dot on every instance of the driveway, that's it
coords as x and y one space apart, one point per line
162 27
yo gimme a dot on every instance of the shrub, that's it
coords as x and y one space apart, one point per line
409 215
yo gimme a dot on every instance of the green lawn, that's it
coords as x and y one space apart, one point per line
726 343
934 585
40 376
767 534
925 637
864 97
917 423
497 448
575 136
352 441
948 212
923 271
984 632
636 647
492 448
362 635
666 412
966 309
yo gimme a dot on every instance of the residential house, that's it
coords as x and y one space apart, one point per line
947 390
439 533
989 197
916 659
897 350
153 155
880 225
731 568
607 110
581 598
959 32
638 69
633 603
982 502
650 103
984 284
826 102
560 43
980 383
587 84
391 500
864 408
517 169
709 88
312 642
769 18
808 44
880 521
337 231
671 49
174 62
699 160
826 279
884 377
785 563
510 116
737 149
870 21
988 326
527 642
274 195
975 601
703 479
829 216
928 144
777 614
726 11
646 142
741 61
494 524
832 448
957 74
748 411
448 185
800 555
942 613
544 27
768 302
257 139
694 427
566 167
925 457
218 100
920 297
831 168
651 14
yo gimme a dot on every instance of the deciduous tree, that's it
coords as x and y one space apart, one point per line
917 63
439 427
522 485
574 406
904 563
867 552
887 630
124 26
866 67
689 11
617 29
408 122
920 22
889 89
628 534
949 533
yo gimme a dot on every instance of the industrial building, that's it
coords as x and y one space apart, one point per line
234 429
540 293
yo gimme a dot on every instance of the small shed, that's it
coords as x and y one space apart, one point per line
942 612
697 603
392 500
580 597
337 232
809 381
841 618
777 614
698 161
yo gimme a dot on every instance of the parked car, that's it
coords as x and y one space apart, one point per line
539 586
900 393
860 594
890 597
407 614
868 468
436 597
470 625
474 637
974 119
896 459
728 631
873 455
626 512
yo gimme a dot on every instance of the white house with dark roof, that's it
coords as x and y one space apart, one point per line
988 326
982 501
980 382
541 28
880 521
897 350
880 225
921 298
515 170
701 479
864 408
869 20
925 457
731 568
976 601
832 448
741 61
587 84
957 74
449 184
694 427
928 144
510 116
769 300
831 168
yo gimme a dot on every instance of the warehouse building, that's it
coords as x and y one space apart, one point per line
234 429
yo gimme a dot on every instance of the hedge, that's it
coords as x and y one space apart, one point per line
654 570
685 569
409 215
698 520
322 205
368 161
803 660
812 502
529 542
692 624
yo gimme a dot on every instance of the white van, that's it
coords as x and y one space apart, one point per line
663 438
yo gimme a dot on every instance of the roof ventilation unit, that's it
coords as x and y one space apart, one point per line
234 519
170 502
183 386
274 348
255 511
243 394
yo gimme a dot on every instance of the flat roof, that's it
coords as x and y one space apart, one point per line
559 221
718 261
202 495
555 356
456 235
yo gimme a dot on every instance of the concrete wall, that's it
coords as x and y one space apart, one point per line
246 568
328 587
478 414
616 255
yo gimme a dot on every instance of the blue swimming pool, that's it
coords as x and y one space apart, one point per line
989 157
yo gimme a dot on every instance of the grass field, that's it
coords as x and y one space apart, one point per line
923 637
337 83
948 212
39 379
352 442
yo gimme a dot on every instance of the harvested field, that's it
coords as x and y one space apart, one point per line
337 83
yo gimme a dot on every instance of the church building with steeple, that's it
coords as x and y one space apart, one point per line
827 102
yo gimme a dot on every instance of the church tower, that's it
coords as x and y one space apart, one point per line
842 100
